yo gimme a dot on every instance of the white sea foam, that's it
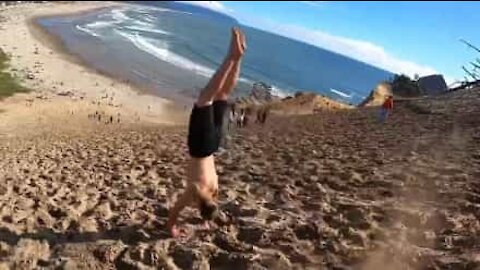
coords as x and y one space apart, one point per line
340 93
149 18
86 30
279 92
160 50
100 24
142 23
147 29
245 81
119 16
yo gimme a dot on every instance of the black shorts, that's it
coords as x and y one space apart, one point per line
205 129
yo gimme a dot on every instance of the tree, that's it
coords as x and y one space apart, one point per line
473 73
470 45
298 94
404 86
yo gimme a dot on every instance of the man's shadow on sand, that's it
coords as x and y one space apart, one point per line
127 234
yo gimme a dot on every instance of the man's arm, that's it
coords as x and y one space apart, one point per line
184 200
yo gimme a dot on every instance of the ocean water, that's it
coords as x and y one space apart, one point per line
173 50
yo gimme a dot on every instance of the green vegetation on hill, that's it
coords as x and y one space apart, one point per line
9 85
402 85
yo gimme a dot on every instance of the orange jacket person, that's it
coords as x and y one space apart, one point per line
386 109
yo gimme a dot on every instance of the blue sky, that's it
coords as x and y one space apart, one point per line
402 37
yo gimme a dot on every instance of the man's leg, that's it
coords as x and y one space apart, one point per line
220 107
215 84
215 94
230 81
234 72
220 104
222 82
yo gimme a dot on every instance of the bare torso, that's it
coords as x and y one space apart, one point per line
202 172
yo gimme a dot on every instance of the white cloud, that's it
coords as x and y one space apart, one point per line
364 51
213 5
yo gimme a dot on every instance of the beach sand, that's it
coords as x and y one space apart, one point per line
331 190
335 189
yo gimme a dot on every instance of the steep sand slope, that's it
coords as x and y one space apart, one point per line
335 189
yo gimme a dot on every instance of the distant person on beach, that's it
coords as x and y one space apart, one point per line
241 118
259 116
386 109
245 119
262 115
232 117
206 120
265 114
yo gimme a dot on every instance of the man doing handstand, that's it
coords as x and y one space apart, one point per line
204 133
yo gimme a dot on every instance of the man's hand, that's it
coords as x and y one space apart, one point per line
173 213
237 44
177 232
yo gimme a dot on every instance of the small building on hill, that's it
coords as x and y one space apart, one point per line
433 84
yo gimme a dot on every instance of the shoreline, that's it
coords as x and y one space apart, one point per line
56 70
56 44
